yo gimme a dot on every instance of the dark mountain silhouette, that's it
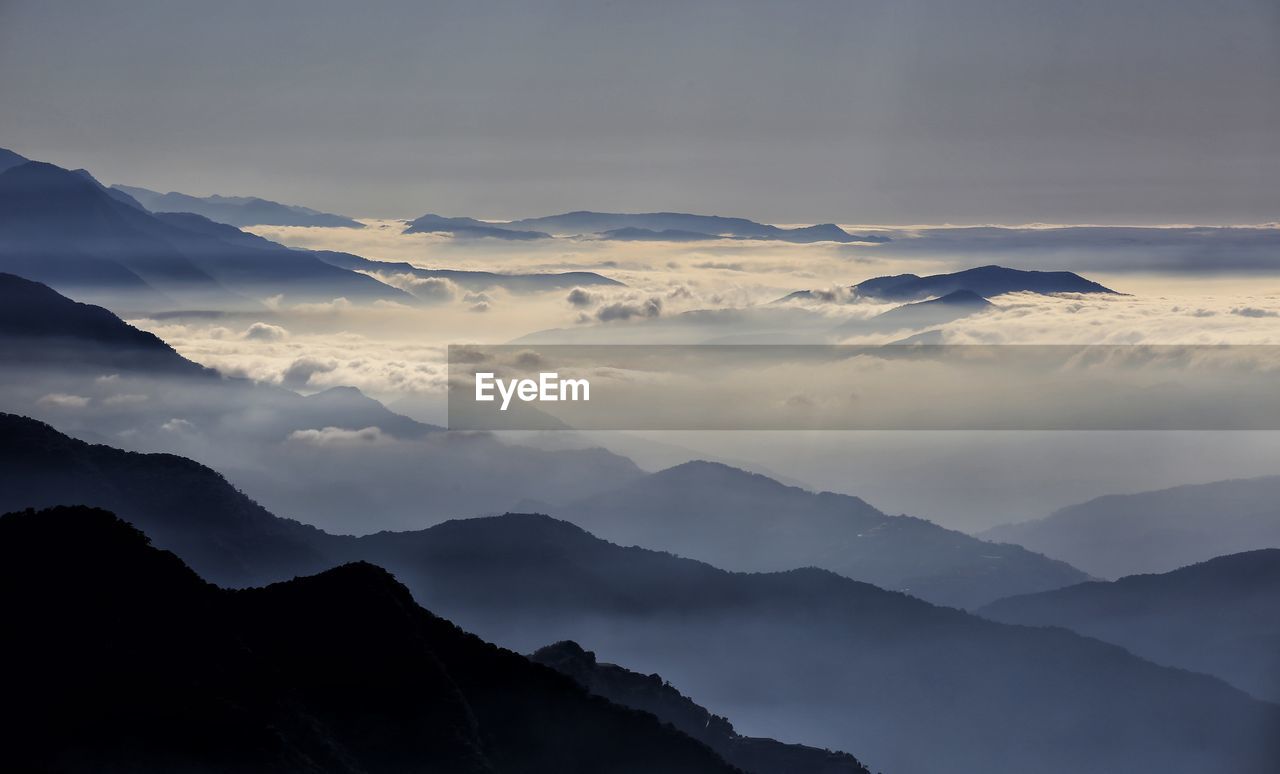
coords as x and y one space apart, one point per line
921 314
805 654
472 280
813 657
650 693
1159 531
131 662
184 506
1217 617
236 210
745 521
645 225
39 325
64 229
985 281
468 228
10 159
633 234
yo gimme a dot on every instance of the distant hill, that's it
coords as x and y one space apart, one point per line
956 305
745 521
1217 617
1158 531
64 229
804 655
39 325
131 662
675 226
236 210
650 693
468 228
473 280
809 656
10 159
985 281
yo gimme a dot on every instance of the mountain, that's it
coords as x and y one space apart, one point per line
64 229
39 325
10 159
1217 617
236 210
337 455
131 662
184 506
468 228
921 314
630 226
1154 532
470 280
809 656
985 281
805 655
633 234
650 693
749 522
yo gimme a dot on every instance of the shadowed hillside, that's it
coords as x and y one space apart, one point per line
1217 617
339 672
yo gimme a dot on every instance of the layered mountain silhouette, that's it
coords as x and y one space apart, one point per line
468 228
745 521
236 210
1152 532
652 226
334 454
10 159
37 325
984 281
1217 617
654 695
131 662
805 655
471 280
64 229
954 306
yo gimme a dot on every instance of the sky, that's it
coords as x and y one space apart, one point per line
988 111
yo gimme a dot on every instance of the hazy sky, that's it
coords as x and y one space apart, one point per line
874 112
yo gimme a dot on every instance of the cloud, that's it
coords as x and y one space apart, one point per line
261 331
178 425
649 308
63 400
301 370
580 298
331 436
324 307
1253 311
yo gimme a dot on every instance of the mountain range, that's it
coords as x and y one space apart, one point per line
1216 617
236 210
652 694
131 662
801 655
471 280
334 454
748 522
984 281
1154 532
652 226
64 229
